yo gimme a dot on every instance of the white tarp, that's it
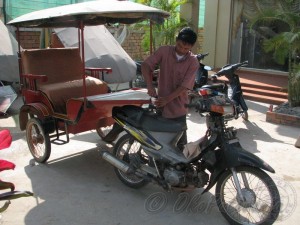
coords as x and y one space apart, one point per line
9 70
101 50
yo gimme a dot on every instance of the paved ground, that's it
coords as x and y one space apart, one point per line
77 187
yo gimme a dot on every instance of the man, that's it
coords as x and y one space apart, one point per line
178 66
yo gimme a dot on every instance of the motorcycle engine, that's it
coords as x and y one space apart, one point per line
190 177
173 176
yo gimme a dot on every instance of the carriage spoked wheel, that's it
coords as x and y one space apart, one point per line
103 131
38 140
109 133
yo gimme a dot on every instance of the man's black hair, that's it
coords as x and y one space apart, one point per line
187 35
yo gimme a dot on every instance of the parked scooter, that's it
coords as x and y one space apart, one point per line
201 77
148 152
139 80
202 73
234 93
5 142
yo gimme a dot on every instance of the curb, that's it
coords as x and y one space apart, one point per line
297 144
284 119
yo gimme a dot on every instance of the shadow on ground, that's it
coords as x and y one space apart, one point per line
81 188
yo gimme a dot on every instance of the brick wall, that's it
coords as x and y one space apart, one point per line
132 44
30 39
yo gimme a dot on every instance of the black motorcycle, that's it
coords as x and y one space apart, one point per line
200 79
202 73
139 81
148 152
234 93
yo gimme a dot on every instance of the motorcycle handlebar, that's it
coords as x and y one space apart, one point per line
201 56
230 68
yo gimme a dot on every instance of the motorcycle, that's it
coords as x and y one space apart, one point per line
5 142
148 152
202 73
200 79
139 80
234 93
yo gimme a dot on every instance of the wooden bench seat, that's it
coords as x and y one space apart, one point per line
63 68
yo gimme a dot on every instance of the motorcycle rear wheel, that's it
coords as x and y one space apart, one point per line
262 199
129 150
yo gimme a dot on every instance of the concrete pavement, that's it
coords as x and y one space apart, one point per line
76 186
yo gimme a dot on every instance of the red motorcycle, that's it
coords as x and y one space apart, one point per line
5 142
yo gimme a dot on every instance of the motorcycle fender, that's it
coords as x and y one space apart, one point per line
39 109
216 173
236 156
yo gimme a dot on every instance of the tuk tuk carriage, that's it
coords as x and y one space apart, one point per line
61 96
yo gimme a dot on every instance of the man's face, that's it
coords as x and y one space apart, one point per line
182 48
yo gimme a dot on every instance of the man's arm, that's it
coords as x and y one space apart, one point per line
162 101
185 85
148 76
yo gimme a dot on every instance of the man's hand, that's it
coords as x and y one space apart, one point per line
161 102
152 92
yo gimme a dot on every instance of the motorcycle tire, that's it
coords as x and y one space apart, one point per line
129 150
262 199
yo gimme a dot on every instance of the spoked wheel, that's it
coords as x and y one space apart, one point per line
260 203
38 141
103 131
130 151
109 133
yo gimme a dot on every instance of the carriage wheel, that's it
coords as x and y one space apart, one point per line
103 131
38 140
109 133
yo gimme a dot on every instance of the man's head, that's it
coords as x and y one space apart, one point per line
185 40
187 35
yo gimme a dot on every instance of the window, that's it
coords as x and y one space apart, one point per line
249 45
252 48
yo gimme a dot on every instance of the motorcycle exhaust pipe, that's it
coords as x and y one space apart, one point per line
121 165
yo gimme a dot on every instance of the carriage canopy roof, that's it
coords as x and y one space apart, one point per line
90 13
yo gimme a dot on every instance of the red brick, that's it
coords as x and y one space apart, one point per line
284 119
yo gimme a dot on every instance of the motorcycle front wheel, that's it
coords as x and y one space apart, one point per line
130 151
260 203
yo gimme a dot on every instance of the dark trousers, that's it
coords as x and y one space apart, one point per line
183 140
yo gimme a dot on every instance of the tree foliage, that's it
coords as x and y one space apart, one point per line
284 45
163 34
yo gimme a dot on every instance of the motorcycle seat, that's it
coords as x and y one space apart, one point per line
148 121
215 87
